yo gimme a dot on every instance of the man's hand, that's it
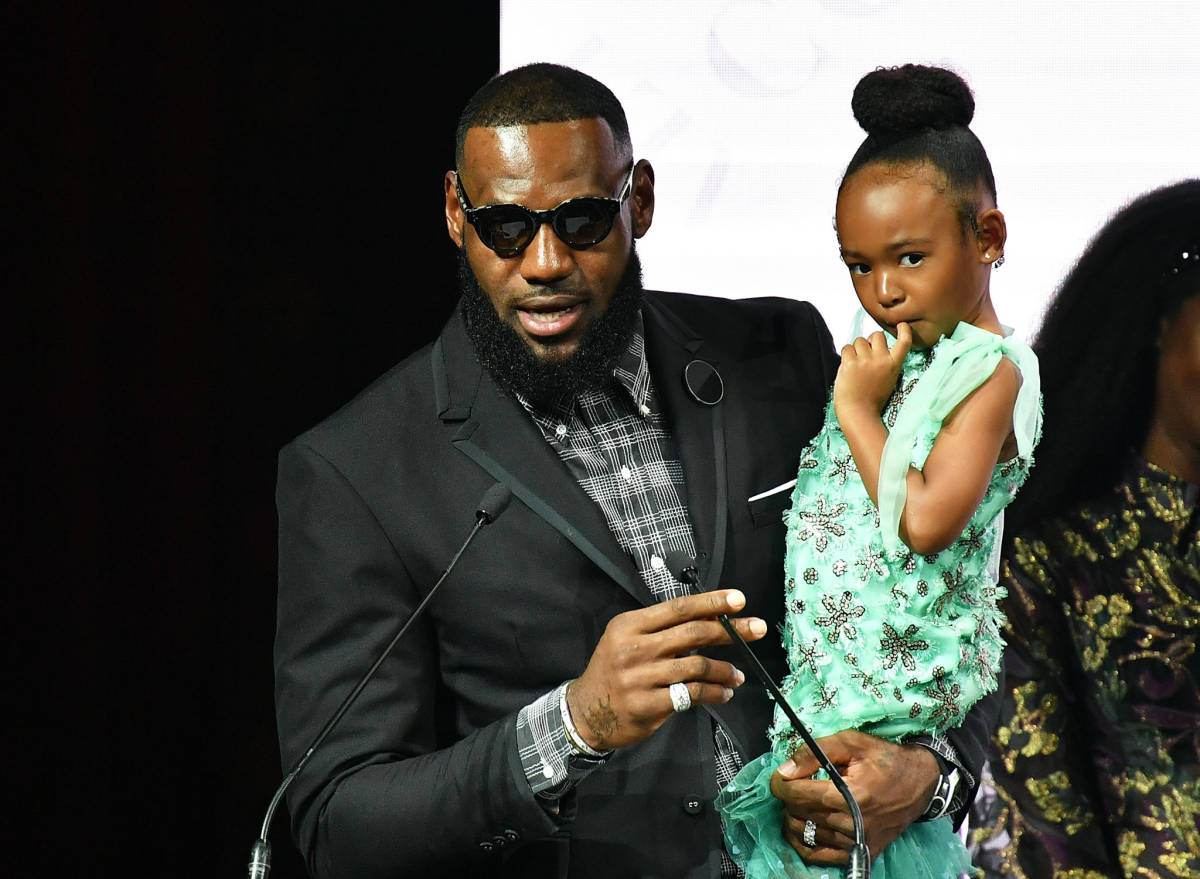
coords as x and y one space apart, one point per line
869 371
892 783
622 697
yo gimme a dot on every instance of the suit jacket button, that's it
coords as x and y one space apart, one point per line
693 805
499 841
511 835
486 846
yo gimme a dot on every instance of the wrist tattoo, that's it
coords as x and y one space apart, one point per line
602 720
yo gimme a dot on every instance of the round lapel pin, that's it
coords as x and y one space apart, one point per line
703 382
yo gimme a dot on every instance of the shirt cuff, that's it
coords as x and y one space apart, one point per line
552 763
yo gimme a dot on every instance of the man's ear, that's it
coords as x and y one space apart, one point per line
455 220
993 233
641 200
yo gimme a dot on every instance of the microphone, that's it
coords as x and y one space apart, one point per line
491 505
684 569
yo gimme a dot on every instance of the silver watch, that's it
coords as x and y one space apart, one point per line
943 794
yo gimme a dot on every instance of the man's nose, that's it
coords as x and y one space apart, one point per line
547 259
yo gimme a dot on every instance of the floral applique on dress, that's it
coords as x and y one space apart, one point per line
878 638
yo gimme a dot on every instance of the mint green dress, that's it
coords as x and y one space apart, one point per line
879 639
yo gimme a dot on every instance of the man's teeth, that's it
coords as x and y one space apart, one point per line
547 316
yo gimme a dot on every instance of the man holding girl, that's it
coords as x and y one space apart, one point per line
566 708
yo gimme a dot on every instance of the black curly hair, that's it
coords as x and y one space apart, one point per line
539 93
919 115
1097 349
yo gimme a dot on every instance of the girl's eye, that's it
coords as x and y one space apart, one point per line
858 268
911 259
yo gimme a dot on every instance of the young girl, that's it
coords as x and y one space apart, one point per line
892 626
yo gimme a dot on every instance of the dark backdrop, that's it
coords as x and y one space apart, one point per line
221 220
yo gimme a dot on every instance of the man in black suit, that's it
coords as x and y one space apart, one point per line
564 708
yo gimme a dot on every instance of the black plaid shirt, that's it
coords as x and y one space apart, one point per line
617 444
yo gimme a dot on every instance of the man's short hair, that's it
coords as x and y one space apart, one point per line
540 93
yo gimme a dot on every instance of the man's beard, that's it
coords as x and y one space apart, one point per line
511 361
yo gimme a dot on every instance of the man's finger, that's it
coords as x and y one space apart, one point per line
839 748
701 669
827 837
834 821
709 694
842 824
693 634
750 628
903 341
807 797
818 854
824 856
704 606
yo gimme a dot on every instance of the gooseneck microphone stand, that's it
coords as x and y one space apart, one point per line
491 505
683 568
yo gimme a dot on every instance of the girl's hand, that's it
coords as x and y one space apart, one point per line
869 372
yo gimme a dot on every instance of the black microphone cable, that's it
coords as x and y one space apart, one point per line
491 505
683 568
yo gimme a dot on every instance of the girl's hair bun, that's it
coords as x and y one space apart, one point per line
900 100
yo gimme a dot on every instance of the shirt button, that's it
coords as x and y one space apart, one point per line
626 473
644 409
560 431
656 563
547 771
693 805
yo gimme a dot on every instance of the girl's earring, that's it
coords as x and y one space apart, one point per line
999 261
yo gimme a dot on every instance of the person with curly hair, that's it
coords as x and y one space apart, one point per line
1096 761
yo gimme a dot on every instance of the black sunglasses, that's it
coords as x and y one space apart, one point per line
578 222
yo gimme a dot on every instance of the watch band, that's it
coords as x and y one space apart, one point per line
943 793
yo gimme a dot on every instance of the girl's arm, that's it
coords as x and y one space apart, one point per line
945 494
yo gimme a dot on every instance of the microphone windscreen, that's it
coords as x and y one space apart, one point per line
494 502
678 562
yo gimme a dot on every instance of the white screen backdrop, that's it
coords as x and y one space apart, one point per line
743 108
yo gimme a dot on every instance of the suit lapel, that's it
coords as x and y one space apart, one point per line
698 430
700 435
498 435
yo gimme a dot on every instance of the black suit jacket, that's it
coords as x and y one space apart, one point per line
422 777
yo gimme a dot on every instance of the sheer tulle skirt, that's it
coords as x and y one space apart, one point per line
753 819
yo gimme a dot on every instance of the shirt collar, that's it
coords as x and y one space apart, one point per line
632 371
